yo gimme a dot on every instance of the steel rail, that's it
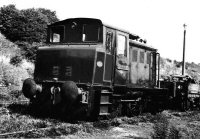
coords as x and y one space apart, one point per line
14 102
23 131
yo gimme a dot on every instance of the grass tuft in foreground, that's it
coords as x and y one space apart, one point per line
163 129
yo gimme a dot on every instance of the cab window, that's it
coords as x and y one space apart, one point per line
90 33
122 60
76 32
57 34
121 41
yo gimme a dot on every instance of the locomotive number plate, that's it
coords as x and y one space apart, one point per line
55 70
68 71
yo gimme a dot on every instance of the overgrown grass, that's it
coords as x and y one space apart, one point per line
15 122
163 129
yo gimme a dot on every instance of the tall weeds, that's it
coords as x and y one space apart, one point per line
163 129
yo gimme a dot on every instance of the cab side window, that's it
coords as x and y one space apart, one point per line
121 41
122 60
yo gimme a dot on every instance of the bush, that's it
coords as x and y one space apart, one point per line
16 60
25 25
29 50
7 48
12 76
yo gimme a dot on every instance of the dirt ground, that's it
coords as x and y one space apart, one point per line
16 122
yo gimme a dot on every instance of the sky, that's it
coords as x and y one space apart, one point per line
160 22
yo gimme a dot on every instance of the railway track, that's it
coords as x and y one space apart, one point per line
7 103
14 104
51 131
37 132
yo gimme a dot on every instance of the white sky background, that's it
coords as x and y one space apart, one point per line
158 21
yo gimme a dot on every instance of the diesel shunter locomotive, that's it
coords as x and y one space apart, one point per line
90 69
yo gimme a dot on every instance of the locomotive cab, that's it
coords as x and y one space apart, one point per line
87 66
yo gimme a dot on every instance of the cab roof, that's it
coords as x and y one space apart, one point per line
132 36
93 21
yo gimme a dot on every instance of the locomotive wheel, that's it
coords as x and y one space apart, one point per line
29 88
70 103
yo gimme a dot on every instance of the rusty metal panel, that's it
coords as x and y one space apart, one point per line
140 67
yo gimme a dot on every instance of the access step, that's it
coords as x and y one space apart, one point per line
104 114
105 103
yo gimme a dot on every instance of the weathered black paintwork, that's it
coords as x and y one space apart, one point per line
65 63
109 63
77 63
98 78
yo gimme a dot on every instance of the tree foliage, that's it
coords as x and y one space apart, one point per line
9 21
27 28
27 25
28 50
16 60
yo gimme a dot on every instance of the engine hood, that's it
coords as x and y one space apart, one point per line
65 63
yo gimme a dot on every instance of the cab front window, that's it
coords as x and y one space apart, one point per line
75 32
57 34
90 33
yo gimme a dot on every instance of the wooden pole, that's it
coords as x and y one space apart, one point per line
183 62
